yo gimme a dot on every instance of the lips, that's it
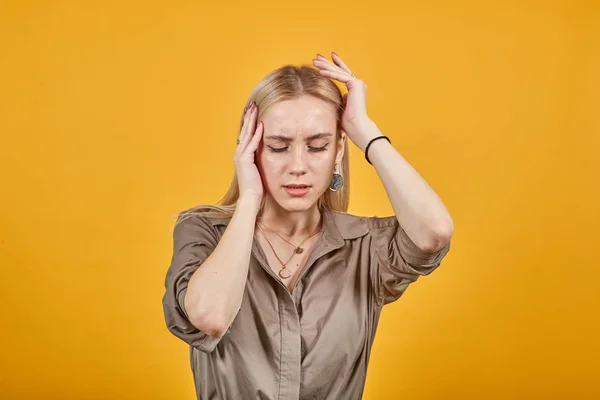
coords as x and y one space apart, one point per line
297 189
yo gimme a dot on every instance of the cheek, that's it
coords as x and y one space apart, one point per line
271 169
272 162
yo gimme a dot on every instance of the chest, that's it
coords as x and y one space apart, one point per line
285 261
328 315
317 335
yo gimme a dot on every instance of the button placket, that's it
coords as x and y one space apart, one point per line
290 349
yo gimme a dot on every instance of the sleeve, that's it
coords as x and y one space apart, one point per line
194 239
397 260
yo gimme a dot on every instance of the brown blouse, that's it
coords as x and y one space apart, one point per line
313 342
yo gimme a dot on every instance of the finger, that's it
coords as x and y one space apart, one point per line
248 127
253 145
327 65
242 135
324 59
332 64
245 120
338 61
246 110
340 76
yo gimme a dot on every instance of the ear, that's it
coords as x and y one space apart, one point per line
341 146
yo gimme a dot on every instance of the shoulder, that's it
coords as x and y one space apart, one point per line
201 216
195 226
352 226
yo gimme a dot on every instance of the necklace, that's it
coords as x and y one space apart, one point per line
297 249
284 272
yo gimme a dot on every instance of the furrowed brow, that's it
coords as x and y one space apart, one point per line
284 138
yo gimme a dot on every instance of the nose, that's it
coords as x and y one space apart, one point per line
298 163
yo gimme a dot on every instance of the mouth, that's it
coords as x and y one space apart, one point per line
297 190
297 186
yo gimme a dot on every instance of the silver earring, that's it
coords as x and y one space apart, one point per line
337 180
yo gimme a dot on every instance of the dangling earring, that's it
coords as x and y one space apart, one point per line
337 180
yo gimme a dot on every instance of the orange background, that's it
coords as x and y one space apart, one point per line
116 115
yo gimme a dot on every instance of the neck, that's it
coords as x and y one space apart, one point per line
291 224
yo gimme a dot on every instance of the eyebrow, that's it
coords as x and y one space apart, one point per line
289 139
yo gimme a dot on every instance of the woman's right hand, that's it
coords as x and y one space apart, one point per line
249 180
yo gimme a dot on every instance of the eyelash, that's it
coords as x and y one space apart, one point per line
313 149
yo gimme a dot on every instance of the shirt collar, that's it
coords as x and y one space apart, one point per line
337 226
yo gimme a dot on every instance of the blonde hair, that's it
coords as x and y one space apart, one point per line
287 83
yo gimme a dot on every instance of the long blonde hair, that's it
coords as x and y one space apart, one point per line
287 83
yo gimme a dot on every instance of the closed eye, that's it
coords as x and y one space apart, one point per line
310 148
323 148
278 150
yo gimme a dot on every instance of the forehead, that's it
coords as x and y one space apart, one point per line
304 114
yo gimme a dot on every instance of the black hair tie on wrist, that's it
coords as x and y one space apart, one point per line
370 142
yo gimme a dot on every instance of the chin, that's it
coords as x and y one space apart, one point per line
295 204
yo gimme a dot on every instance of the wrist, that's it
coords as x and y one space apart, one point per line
249 203
368 130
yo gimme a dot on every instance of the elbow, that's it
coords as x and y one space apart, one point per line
205 319
212 325
440 238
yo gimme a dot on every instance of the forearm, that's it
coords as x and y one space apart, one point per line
419 210
215 290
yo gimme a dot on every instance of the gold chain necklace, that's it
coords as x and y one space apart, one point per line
297 249
284 272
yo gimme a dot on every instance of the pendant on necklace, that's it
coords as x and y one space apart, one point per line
284 273
299 250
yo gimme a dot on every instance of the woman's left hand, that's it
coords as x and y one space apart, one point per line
355 118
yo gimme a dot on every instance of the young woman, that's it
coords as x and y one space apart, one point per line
278 290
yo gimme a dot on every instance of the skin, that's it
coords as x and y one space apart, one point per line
299 146
419 210
215 293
